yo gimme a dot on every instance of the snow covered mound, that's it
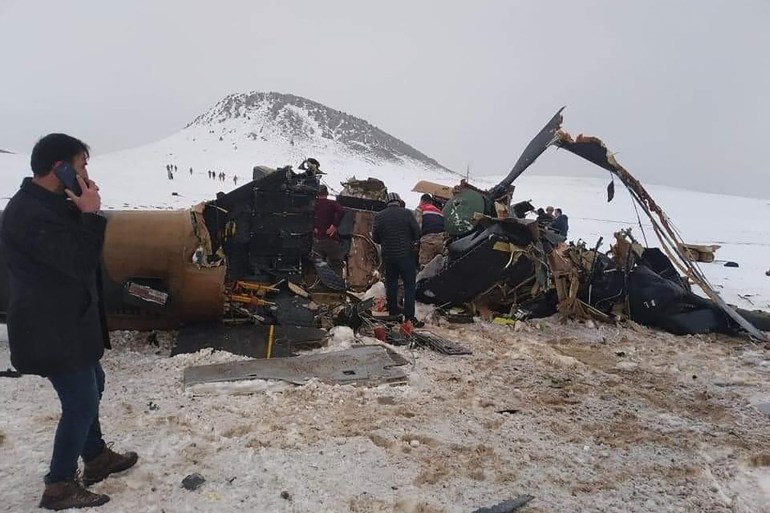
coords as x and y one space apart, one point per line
240 132
305 125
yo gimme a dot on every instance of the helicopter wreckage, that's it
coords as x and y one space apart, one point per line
242 264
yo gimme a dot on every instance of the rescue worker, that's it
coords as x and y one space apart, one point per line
326 240
543 219
560 223
430 219
396 231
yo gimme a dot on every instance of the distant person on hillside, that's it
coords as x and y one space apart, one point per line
561 222
235 179
396 231
190 171
432 236
326 240
52 242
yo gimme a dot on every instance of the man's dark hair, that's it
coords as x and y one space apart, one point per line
557 211
323 190
54 148
426 197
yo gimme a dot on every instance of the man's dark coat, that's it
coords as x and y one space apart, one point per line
56 320
396 230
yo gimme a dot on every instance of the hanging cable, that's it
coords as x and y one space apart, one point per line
639 219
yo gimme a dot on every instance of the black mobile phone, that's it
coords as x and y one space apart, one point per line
68 176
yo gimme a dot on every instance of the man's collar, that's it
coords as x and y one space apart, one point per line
40 192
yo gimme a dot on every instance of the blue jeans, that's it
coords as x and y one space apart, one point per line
406 269
78 433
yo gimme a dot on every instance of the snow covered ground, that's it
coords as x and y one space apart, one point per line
594 418
583 417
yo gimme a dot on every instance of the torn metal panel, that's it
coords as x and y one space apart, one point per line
328 276
547 136
442 192
595 151
363 258
363 365
477 262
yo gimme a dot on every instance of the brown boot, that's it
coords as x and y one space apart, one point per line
108 462
70 494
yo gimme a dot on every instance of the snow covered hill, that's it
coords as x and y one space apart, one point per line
239 132
305 125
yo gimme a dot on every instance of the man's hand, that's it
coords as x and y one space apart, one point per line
89 202
331 230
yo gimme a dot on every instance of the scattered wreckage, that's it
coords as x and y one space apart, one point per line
526 270
245 259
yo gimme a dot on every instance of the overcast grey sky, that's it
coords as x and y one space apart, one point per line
679 89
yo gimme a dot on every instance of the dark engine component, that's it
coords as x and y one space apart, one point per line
266 227
475 264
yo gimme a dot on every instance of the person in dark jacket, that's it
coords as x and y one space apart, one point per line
396 231
560 222
326 240
52 242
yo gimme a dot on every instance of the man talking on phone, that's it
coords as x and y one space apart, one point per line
52 240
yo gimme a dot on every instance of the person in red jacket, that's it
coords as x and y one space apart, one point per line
431 221
326 240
